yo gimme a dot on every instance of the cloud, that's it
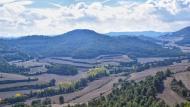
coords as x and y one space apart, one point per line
20 18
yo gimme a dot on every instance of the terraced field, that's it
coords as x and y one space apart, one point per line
93 90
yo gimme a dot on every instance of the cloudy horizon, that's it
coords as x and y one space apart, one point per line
51 17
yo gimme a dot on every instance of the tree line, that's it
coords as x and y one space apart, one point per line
61 89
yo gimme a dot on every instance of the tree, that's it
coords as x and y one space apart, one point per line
36 102
168 72
52 82
61 100
177 105
47 101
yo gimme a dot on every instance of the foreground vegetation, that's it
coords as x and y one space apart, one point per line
131 94
180 89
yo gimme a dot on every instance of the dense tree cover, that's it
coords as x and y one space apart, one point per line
62 69
61 99
96 73
5 67
132 94
180 89
29 87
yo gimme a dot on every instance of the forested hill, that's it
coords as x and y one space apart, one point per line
9 53
87 44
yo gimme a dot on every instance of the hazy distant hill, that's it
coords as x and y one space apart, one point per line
87 44
185 33
152 34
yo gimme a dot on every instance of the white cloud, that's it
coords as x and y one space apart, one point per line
19 19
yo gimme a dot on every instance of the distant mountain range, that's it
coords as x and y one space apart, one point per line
83 43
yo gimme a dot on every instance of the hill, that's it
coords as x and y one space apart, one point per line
84 43
185 34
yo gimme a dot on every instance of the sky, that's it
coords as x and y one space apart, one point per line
52 17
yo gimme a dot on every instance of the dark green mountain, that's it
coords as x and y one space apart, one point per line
87 44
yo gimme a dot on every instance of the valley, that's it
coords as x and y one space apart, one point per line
89 67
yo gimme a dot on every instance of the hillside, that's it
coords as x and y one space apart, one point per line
185 33
181 37
10 54
87 44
